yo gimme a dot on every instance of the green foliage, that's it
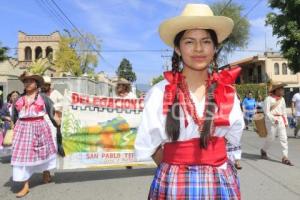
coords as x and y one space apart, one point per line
3 53
70 124
240 34
256 89
39 66
125 71
84 46
76 54
157 79
71 131
286 25
66 57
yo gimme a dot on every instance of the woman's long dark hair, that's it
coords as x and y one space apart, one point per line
172 120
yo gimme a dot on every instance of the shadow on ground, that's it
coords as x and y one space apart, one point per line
255 157
66 177
82 176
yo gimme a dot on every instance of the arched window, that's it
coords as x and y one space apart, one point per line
284 68
38 52
49 53
276 69
28 54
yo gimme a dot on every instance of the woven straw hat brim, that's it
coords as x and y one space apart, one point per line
170 28
38 78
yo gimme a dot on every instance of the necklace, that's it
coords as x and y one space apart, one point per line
190 104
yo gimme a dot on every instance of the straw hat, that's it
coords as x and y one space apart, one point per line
30 75
47 79
276 85
123 81
195 16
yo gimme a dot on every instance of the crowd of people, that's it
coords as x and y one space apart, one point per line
276 119
191 125
35 117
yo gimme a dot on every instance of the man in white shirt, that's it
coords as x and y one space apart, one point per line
57 99
296 111
55 96
276 121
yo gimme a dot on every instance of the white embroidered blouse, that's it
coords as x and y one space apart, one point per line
151 132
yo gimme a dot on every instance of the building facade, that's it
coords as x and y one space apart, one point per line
33 47
269 66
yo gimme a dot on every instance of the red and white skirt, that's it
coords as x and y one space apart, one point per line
32 143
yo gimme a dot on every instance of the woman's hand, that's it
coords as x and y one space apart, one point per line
158 155
7 119
57 117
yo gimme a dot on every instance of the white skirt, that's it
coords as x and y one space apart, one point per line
23 173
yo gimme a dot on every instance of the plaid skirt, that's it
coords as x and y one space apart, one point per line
195 182
32 143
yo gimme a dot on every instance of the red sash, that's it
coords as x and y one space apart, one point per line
32 118
189 152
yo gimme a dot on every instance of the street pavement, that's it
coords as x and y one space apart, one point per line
260 179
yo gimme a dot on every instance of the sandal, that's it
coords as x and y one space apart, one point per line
46 177
263 154
24 191
286 162
237 165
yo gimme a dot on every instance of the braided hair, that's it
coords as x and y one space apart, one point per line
172 120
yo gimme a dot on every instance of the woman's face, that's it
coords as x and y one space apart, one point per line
196 49
30 85
122 90
46 87
14 97
279 92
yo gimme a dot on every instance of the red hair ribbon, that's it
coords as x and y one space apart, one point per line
224 94
171 90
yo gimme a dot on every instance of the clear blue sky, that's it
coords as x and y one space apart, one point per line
121 25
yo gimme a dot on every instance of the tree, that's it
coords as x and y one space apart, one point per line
40 66
66 57
3 53
240 33
125 71
286 25
86 46
157 79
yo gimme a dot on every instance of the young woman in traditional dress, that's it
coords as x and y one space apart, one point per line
33 149
189 116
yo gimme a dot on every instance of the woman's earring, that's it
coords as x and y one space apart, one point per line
212 67
180 63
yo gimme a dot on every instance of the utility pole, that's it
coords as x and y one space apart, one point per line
265 41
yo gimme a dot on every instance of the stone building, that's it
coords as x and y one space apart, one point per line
33 47
269 66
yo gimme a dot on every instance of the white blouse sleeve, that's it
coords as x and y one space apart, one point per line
284 112
152 127
233 133
267 110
